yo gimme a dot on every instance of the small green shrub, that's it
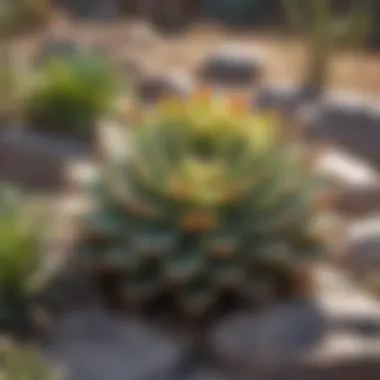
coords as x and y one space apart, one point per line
24 363
19 258
70 93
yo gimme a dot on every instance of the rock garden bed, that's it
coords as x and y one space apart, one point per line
324 327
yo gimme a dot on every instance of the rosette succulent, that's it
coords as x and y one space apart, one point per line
204 205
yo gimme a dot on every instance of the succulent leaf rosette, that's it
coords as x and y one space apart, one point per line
207 199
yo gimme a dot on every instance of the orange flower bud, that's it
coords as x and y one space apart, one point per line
199 221
239 104
181 189
203 94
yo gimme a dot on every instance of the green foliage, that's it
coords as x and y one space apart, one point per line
206 200
24 363
70 93
19 256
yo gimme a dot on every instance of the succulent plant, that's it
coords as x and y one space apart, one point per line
19 362
70 93
207 203
19 259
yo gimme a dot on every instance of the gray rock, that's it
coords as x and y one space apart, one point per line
286 99
37 161
230 66
349 124
96 10
362 249
141 36
334 335
56 47
94 345
357 182
151 89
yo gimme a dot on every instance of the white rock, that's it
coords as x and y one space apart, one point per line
346 168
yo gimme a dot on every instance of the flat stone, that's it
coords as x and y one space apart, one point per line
37 161
349 122
153 88
362 257
95 10
339 327
357 182
231 66
284 98
94 345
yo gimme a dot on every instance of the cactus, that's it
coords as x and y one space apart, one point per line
315 20
206 201
19 259
24 363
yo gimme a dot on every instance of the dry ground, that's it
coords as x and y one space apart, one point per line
283 57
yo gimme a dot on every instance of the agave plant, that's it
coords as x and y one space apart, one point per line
207 202
24 363
70 93
19 259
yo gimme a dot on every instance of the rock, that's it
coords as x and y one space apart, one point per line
231 66
334 335
56 47
151 89
348 123
141 35
205 374
94 345
286 99
95 10
357 182
362 257
37 161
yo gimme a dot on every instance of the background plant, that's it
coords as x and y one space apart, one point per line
20 257
70 93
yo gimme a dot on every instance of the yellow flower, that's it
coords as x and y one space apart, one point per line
262 132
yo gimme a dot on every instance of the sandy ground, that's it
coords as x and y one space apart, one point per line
284 58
